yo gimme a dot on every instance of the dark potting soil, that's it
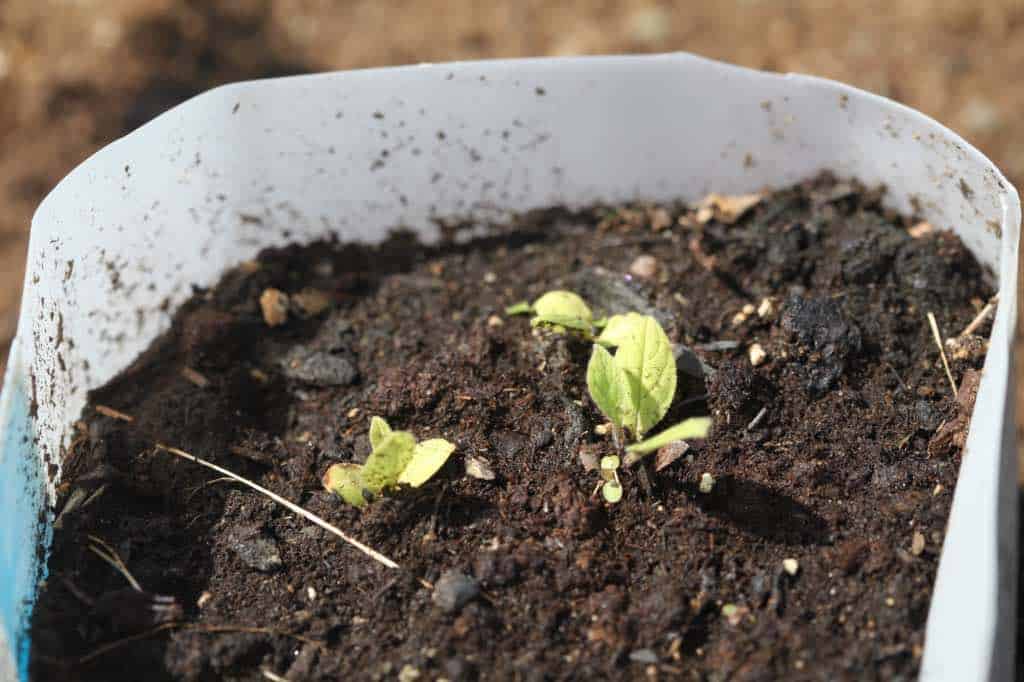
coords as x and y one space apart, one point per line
835 457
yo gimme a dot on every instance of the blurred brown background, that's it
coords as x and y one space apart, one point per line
75 74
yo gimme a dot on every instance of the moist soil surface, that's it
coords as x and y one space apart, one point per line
838 450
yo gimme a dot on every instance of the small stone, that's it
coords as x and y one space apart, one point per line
494 321
668 454
748 309
917 544
603 429
890 602
589 456
478 467
920 229
311 302
204 599
757 354
660 219
274 304
707 483
791 566
739 318
938 490
644 267
352 413
319 368
643 656
311 593
259 552
490 278
408 673
453 590
766 309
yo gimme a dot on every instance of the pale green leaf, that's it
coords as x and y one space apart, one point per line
606 384
521 308
646 358
688 429
620 328
387 461
563 308
344 480
378 429
612 491
427 459
562 321
609 465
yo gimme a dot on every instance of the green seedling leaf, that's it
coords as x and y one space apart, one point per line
387 461
612 491
345 481
378 430
601 322
427 459
607 384
564 309
609 465
521 308
620 328
688 429
646 358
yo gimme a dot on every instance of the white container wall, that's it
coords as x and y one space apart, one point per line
171 205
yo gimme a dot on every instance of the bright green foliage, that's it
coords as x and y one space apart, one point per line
634 388
612 491
647 360
396 459
378 430
695 427
344 479
427 459
619 329
388 460
609 465
607 384
562 309
521 308
612 487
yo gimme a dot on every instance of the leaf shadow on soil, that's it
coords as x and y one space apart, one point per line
757 509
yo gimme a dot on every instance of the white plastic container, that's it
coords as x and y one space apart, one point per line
171 205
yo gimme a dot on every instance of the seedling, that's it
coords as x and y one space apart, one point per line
558 310
631 377
396 460
635 387
612 488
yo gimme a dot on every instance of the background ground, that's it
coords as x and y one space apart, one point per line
75 74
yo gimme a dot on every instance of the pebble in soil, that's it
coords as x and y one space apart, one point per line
819 456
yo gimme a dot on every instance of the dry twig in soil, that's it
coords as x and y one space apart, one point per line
942 351
308 515
100 548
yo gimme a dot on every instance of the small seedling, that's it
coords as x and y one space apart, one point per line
631 377
558 310
612 488
396 460
635 387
